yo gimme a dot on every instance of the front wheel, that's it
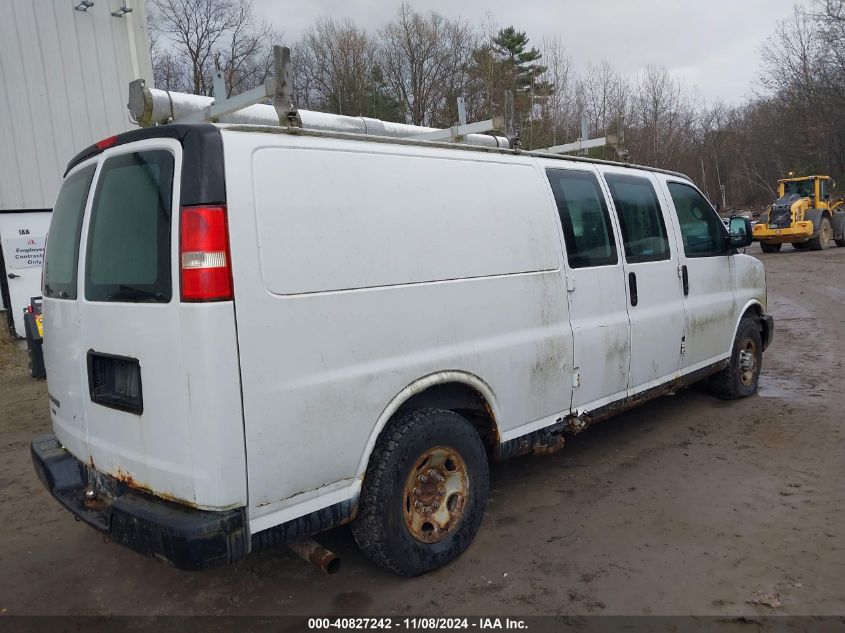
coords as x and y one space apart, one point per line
822 240
739 379
424 492
770 248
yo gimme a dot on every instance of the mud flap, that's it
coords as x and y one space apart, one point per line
767 324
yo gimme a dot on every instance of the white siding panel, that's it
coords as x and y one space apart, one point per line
16 88
64 78
28 21
11 187
57 84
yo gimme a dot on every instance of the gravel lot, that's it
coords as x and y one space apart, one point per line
686 505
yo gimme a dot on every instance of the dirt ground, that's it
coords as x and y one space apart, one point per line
687 505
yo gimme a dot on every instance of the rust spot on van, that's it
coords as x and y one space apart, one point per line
97 503
541 442
495 438
128 480
555 444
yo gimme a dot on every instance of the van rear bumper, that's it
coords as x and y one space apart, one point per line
185 537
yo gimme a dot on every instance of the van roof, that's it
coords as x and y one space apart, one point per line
183 131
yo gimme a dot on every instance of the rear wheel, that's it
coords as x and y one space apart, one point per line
822 239
424 492
770 248
801 246
739 379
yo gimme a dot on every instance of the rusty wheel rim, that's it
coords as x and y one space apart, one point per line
435 494
826 234
748 362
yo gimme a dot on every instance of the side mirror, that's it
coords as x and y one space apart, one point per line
739 229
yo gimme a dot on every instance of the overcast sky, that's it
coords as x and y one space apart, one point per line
712 44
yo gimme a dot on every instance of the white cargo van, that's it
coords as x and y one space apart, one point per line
254 335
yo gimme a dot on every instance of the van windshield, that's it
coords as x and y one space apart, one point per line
62 254
128 256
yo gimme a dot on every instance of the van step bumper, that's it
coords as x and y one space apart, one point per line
185 537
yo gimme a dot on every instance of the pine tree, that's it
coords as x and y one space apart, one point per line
512 46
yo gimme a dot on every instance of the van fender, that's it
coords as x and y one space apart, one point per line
418 386
751 304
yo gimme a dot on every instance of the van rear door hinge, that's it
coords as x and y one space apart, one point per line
576 378
683 345
570 284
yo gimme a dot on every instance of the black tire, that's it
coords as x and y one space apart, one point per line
770 248
823 236
737 380
801 246
382 529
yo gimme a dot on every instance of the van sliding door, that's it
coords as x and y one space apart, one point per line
651 264
595 287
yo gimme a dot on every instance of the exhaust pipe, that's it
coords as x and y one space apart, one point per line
310 550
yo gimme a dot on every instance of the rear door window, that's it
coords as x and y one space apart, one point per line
584 217
640 218
128 256
62 256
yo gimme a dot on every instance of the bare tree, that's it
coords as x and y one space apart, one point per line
605 95
663 118
337 68
246 54
417 64
554 117
425 60
196 38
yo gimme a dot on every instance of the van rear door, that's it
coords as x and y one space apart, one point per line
155 379
61 311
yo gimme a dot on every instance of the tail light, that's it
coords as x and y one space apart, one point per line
204 254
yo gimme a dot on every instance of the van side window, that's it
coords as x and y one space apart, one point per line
128 257
584 217
703 232
62 256
640 218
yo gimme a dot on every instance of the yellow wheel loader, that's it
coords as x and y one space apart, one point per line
803 215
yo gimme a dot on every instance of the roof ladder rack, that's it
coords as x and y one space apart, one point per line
149 106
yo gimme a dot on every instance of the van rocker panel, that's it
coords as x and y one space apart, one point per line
185 537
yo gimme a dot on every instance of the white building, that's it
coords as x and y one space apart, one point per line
65 68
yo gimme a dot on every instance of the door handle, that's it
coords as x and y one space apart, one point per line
632 283
685 279
12 276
